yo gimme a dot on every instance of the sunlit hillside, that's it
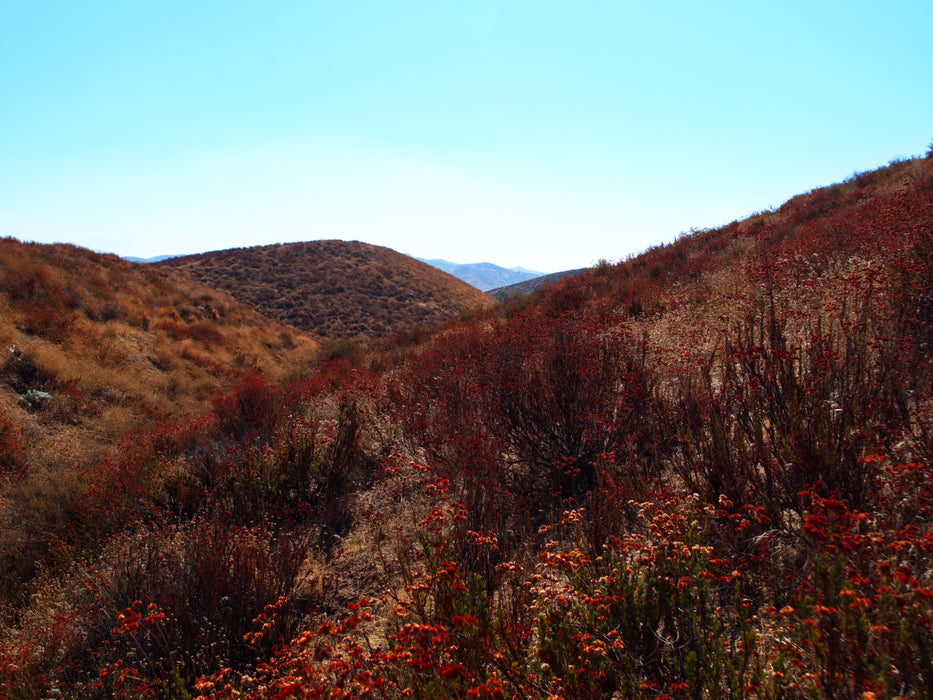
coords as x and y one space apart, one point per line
702 472
94 345
95 348
335 290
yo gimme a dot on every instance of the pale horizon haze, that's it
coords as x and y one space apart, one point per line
547 135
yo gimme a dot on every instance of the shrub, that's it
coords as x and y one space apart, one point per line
168 604
529 404
251 408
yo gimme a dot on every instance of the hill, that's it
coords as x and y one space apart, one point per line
95 345
706 471
530 285
484 276
334 289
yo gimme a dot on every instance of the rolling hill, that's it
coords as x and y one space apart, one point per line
530 285
334 290
94 346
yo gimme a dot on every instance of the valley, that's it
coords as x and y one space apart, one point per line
703 471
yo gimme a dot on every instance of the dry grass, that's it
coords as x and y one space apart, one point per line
117 345
335 289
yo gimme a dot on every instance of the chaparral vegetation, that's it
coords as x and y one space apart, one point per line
702 472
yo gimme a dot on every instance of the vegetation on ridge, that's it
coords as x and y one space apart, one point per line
702 472
335 290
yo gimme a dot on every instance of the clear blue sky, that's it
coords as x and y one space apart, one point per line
543 134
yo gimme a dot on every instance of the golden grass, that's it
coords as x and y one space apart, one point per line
118 345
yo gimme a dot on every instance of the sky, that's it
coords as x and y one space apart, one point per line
544 134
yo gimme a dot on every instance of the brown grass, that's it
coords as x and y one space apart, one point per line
335 289
117 345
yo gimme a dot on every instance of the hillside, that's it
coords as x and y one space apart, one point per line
706 471
334 289
484 276
114 345
530 285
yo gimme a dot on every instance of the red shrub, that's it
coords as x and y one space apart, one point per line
252 407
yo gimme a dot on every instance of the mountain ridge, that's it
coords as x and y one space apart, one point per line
484 275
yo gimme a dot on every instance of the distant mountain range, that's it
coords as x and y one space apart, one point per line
157 258
484 276
530 285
